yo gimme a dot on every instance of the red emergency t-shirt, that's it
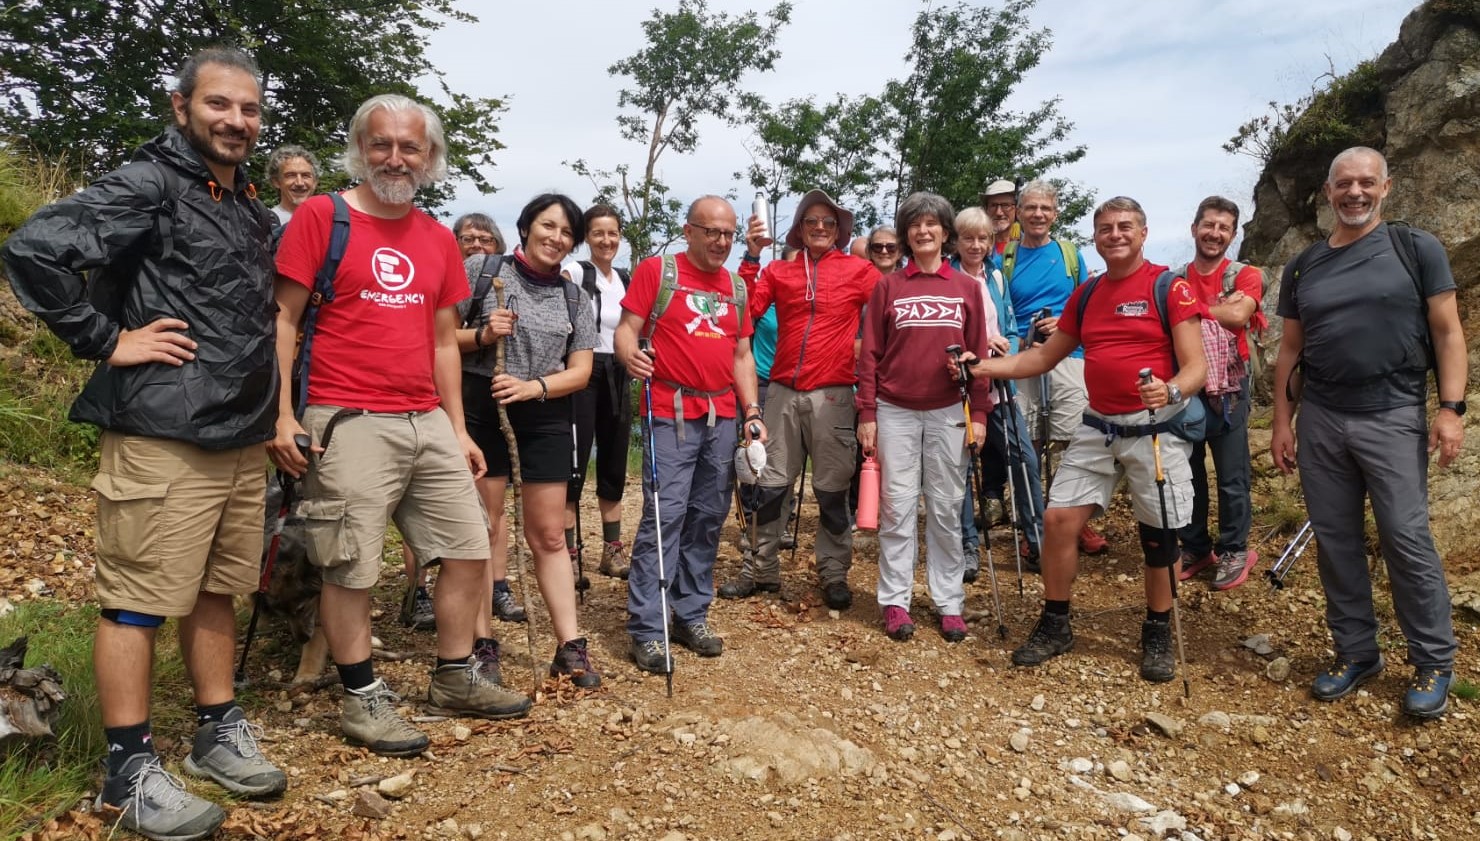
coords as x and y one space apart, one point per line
694 343
1122 334
375 342
1208 288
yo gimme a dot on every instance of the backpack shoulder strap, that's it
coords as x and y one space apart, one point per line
666 287
1089 289
1009 259
1402 236
323 293
737 284
626 277
588 277
1071 260
572 310
492 265
1231 273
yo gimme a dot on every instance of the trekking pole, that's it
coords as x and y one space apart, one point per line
1014 452
516 478
1167 535
976 485
1296 547
269 560
794 519
645 346
1045 407
582 582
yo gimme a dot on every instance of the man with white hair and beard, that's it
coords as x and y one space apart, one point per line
384 413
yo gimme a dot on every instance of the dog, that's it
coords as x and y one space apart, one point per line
293 590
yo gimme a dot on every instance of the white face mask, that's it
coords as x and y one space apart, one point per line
750 462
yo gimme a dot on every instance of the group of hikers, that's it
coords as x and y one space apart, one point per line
404 371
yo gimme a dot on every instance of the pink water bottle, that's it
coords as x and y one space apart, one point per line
868 494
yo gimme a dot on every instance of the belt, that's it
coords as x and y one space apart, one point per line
1124 430
678 394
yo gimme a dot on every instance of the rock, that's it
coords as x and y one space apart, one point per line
449 828
1120 770
1163 822
674 835
1278 669
473 831
398 786
1232 789
1259 644
785 748
1019 741
591 832
1169 727
1260 735
1126 802
368 804
1038 703
1081 765
1248 778
1341 834
461 733
1216 718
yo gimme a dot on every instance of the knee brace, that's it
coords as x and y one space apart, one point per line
129 617
1160 553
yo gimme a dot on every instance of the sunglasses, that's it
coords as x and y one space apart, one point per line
883 248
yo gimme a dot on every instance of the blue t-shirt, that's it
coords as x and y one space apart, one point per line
1039 280
763 343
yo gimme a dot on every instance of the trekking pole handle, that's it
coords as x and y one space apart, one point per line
955 353
302 442
1145 375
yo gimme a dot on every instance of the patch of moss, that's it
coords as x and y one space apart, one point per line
1344 114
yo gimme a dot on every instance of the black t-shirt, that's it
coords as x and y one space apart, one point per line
1365 330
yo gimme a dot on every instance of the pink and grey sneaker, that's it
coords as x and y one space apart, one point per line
953 628
897 623
1233 569
1193 564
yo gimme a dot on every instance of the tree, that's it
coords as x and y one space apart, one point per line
690 68
948 131
88 79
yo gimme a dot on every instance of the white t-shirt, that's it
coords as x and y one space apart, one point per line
611 289
283 214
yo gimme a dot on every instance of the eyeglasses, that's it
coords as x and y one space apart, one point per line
476 239
714 234
827 223
1001 205
883 248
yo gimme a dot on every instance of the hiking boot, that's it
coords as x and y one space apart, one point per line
370 719
1051 637
972 551
582 582
953 628
698 637
459 690
1233 568
897 623
1428 692
571 659
226 751
1091 543
614 560
421 617
155 803
1193 563
1157 663
486 661
1343 677
837 595
506 608
1029 554
744 588
650 656
995 513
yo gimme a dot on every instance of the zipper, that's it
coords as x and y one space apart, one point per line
811 317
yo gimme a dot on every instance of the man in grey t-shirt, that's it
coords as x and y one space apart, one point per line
1366 312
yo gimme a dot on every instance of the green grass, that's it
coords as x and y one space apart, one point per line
1462 688
39 782
36 391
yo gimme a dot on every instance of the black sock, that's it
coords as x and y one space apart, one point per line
455 661
570 538
1055 607
501 586
214 712
482 643
1162 616
356 676
124 742
611 532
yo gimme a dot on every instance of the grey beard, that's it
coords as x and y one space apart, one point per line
394 192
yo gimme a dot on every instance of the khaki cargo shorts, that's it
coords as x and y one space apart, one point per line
407 467
1090 469
1067 397
175 520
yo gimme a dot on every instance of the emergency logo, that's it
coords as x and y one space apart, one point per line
708 309
1133 309
394 271
928 311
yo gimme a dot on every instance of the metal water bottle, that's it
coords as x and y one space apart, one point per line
868 494
762 211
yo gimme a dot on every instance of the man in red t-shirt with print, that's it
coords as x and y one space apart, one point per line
1227 438
384 413
698 365
1122 333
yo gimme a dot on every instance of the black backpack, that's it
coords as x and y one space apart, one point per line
588 283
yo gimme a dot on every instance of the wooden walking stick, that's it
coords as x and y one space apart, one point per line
515 479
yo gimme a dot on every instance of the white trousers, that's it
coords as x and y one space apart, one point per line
921 451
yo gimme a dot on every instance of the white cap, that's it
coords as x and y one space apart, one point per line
750 462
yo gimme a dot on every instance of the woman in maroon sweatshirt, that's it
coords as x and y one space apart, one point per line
909 411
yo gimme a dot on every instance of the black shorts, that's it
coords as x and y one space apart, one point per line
542 430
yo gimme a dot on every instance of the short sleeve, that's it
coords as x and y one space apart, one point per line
1433 264
1250 281
585 326
454 280
305 241
1285 308
1182 302
643 290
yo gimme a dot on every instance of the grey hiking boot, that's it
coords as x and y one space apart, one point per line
226 751
459 690
370 720
650 656
614 560
1234 568
699 638
421 616
486 661
1051 637
155 803
571 659
1157 663
506 608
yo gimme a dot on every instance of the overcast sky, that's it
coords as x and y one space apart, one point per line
1153 88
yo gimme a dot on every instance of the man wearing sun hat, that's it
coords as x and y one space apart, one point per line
819 296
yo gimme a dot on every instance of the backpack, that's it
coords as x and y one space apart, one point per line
492 265
1068 249
1226 369
669 285
323 293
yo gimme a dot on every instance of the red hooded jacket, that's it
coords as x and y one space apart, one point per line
819 308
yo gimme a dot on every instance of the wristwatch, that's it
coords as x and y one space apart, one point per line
1174 394
1455 406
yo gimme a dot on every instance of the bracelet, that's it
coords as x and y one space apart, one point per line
749 259
757 416
478 337
544 389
